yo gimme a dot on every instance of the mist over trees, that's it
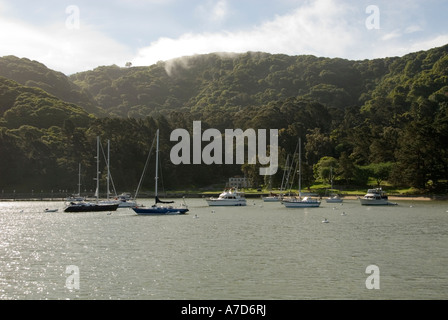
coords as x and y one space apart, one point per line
383 119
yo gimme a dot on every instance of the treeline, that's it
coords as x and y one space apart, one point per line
385 119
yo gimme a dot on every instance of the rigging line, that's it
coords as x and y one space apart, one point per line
111 180
284 184
161 176
293 176
144 169
290 183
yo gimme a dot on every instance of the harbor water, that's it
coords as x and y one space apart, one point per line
261 251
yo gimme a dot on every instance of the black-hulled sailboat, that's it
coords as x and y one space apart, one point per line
84 206
158 208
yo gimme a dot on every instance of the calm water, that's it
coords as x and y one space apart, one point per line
262 251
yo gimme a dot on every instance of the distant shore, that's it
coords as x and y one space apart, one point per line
411 198
178 195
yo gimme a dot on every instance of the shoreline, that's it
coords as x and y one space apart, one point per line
410 198
248 195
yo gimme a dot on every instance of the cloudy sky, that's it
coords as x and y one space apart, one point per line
78 35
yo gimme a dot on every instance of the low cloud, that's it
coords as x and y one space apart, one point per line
61 48
323 28
319 28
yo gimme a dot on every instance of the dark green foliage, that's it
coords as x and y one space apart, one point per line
384 118
34 74
20 105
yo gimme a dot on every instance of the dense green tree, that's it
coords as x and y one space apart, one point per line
325 169
361 113
380 171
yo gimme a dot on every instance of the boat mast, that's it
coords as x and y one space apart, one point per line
284 185
157 164
144 169
108 168
79 179
290 183
331 177
300 167
97 168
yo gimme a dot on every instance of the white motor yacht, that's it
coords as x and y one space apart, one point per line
230 197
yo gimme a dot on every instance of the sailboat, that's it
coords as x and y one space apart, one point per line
124 200
157 209
83 206
299 202
333 198
77 196
274 197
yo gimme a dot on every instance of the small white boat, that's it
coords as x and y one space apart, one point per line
125 201
75 197
375 197
231 197
334 199
325 221
272 197
51 210
298 202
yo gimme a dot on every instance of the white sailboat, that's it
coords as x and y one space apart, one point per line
274 197
333 198
299 202
77 196
125 201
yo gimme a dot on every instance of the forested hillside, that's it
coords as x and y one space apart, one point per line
34 74
217 82
385 119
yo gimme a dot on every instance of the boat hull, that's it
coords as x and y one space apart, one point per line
91 207
334 200
228 198
272 199
301 204
127 204
226 203
375 202
154 211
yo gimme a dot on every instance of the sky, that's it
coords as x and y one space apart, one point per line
79 35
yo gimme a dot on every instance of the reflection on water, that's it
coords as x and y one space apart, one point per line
262 251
